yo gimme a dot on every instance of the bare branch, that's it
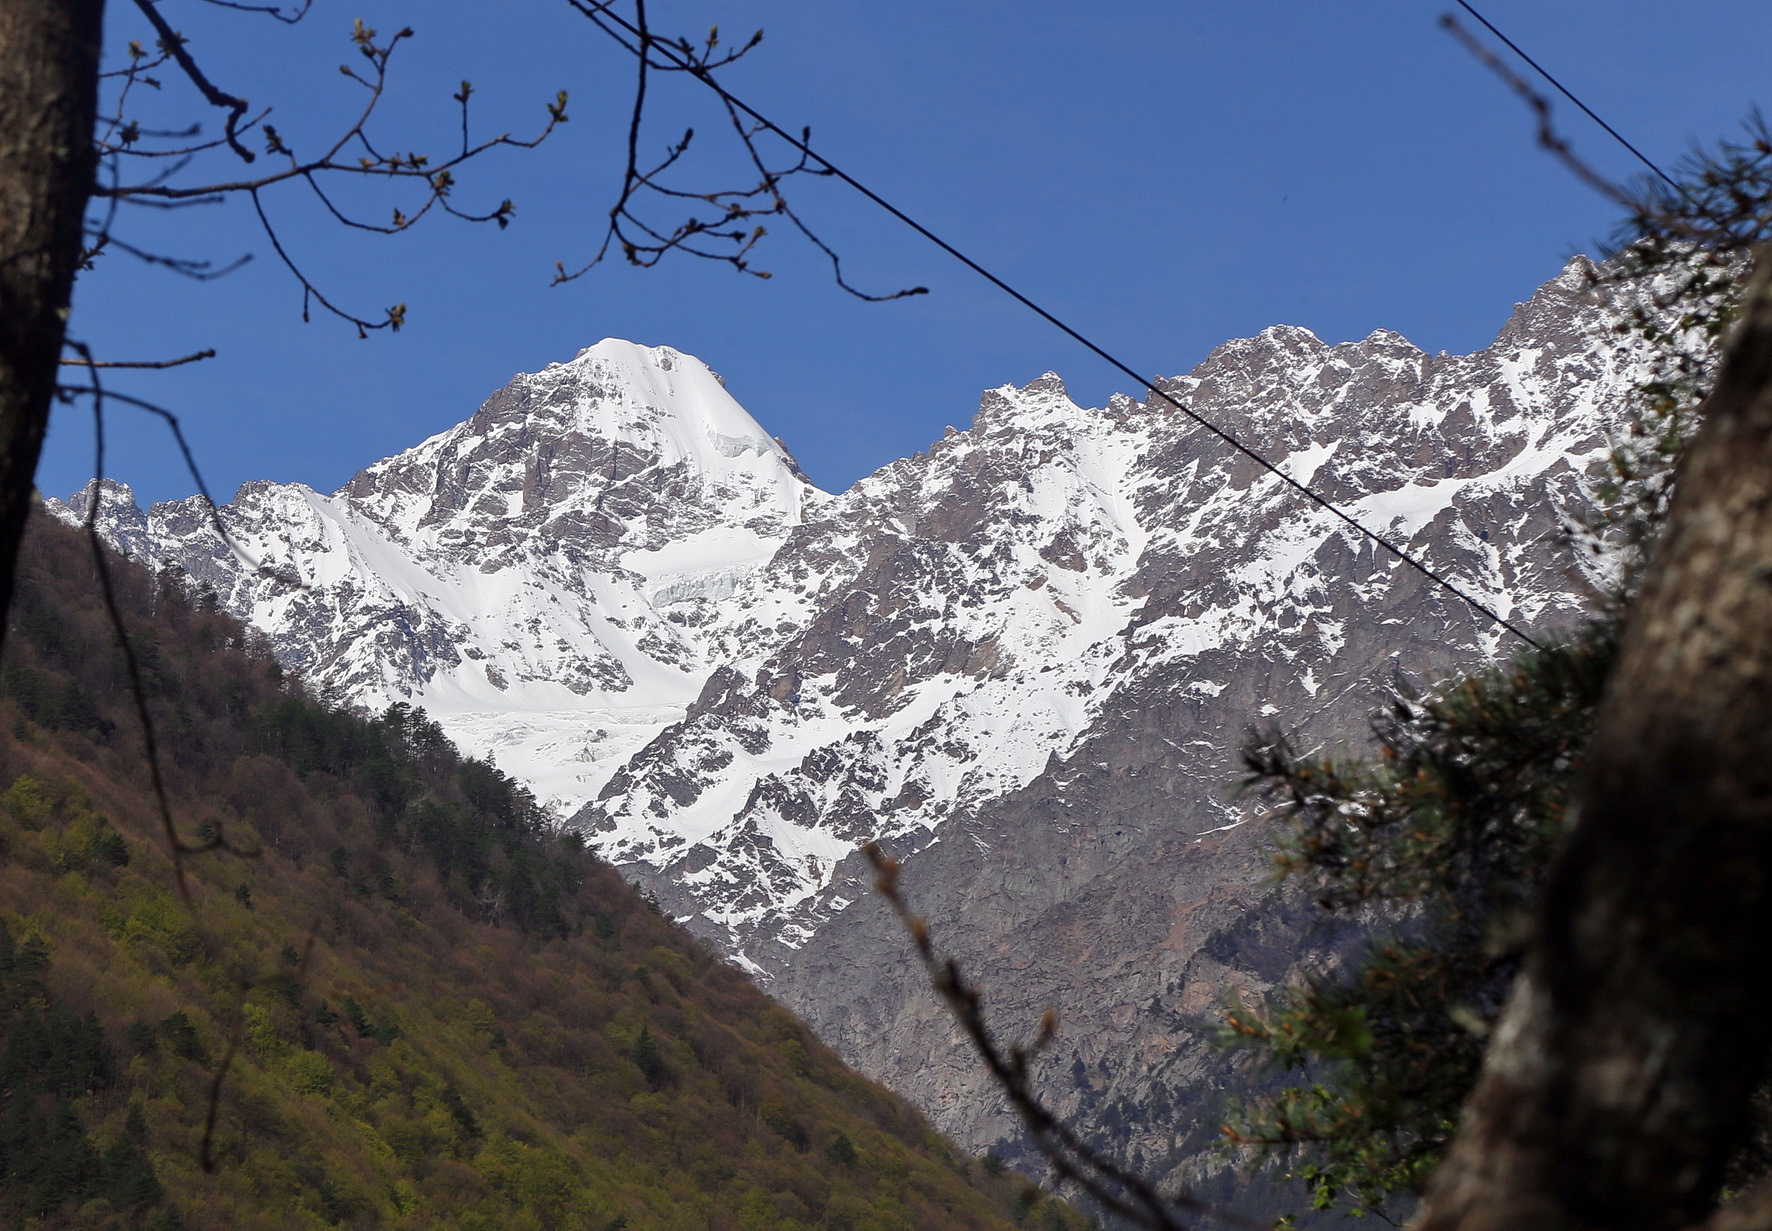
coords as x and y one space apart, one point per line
352 153
152 363
397 167
269 10
730 229
173 44
188 267
175 845
1548 136
396 315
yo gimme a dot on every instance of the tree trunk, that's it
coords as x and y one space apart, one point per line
49 55
1616 1085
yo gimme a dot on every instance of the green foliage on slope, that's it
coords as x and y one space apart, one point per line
433 1010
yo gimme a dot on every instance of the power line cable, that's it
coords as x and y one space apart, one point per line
1568 94
644 41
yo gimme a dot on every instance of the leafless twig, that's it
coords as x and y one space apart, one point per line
725 224
1548 136
146 363
354 154
173 44
68 392
1714 204
178 849
176 846
288 18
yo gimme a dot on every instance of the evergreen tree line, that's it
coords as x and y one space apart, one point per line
503 855
480 828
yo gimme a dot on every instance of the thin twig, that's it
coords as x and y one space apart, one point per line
351 153
1548 136
209 503
1701 212
730 233
153 363
177 848
195 270
212 1113
1570 95
269 10
392 321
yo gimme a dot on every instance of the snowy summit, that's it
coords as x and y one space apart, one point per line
614 581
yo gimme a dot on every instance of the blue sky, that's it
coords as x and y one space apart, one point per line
1166 175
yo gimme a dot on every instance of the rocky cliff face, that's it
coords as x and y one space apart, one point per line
1024 659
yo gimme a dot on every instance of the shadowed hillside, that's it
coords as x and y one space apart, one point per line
433 1010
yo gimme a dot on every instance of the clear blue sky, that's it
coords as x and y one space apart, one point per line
1167 174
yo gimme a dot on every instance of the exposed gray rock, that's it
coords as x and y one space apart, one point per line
1024 659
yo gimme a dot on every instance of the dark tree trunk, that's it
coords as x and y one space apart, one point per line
1617 1083
49 54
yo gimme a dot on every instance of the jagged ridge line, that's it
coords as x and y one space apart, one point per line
1150 383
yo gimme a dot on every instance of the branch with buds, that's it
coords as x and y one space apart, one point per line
725 224
354 154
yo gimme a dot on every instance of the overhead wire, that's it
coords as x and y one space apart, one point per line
685 63
1568 94
645 42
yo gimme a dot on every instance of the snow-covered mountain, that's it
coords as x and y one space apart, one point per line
960 622
542 577
1023 658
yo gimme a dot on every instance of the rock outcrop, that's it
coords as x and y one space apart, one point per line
1024 659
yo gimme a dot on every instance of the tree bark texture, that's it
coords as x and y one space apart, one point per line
49 57
1616 1085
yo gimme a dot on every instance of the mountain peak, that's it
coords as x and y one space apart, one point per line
119 516
635 408
559 576
1023 659
563 554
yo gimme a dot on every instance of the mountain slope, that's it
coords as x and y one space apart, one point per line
1122 884
964 622
539 577
446 1015
1024 659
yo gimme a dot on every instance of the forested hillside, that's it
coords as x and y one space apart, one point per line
422 1005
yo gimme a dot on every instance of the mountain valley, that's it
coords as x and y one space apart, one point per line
372 986
1023 660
